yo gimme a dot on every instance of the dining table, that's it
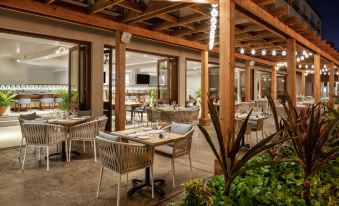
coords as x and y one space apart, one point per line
67 122
154 137
133 105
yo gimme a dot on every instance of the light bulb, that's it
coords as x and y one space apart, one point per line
242 51
300 66
284 53
274 52
312 66
298 59
214 12
304 52
302 58
18 60
214 5
263 52
306 66
213 20
253 52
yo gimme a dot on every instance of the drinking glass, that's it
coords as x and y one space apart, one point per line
158 126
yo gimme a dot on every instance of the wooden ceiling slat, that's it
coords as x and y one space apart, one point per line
132 6
183 32
154 9
292 20
184 20
201 10
280 11
49 1
264 2
101 5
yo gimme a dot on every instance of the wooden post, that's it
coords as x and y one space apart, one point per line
204 120
274 83
331 86
316 79
303 82
247 82
226 64
120 54
291 71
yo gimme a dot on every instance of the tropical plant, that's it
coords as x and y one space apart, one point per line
6 98
232 160
313 141
65 104
197 194
198 93
153 97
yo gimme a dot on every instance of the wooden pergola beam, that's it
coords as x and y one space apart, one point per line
49 1
182 21
292 20
264 2
132 6
277 24
280 11
101 5
153 10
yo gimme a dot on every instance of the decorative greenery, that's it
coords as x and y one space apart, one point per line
6 98
229 157
312 140
198 93
64 105
153 97
197 194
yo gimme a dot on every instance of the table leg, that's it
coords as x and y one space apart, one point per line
139 184
63 152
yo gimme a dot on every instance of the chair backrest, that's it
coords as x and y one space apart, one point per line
245 107
84 113
43 134
262 104
280 111
102 121
153 115
238 124
84 131
195 113
124 157
182 146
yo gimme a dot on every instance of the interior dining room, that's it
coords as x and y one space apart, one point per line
35 72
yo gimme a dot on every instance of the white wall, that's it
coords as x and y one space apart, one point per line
12 72
299 82
193 82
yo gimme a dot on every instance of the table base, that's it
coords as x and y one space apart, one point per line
139 184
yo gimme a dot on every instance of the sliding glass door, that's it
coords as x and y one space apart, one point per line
167 81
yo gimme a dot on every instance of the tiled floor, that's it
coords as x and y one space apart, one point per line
75 183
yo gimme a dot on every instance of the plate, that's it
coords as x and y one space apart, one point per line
143 137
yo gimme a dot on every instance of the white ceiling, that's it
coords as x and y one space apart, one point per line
21 47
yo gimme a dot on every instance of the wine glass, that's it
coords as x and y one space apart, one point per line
158 125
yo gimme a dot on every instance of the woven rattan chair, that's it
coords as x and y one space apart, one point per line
123 158
83 132
262 105
102 121
238 124
179 148
43 135
153 115
257 126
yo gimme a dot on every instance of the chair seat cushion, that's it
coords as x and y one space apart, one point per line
109 136
164 150
31 116
180 129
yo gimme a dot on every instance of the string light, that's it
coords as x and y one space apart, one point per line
263 52
214 14
283 53
253 51
242 51
274 52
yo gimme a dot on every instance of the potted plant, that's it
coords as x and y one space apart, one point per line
198 95
5 101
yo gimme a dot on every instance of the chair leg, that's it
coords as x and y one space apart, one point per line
47 151
66 148
256 135
19 156
39 153
100 178
95 151
152 182
23 162
69 150
173 173
84 146
119 185
126 179
190 159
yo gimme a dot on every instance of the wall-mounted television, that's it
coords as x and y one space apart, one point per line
143 78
